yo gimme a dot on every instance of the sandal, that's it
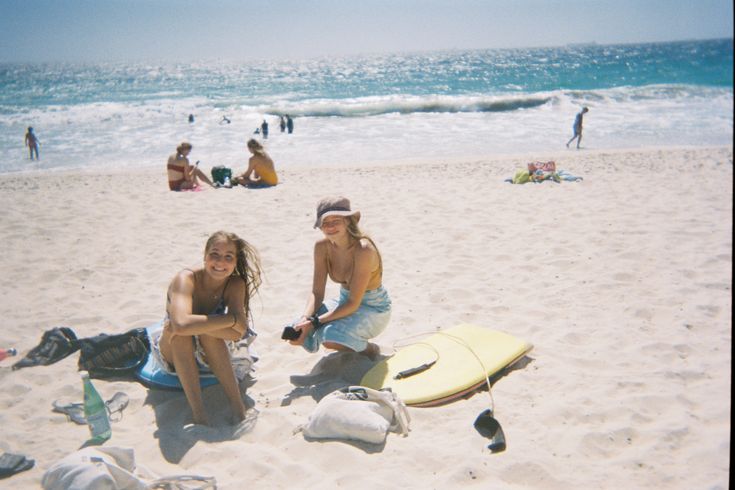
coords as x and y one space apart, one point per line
75 411
11 464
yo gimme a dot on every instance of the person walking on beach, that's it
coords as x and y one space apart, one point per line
282 123
289 124
264 129
181 175
578 127
351 259
261 170
207 311
32 142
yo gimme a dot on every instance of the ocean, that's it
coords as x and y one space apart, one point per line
368 110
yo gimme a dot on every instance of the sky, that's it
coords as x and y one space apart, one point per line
189 30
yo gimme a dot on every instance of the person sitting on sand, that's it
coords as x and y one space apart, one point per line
351 259
261 171
181 175
207 310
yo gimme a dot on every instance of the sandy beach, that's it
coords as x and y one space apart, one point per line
622 282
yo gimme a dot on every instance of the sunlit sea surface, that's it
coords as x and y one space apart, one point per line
369 109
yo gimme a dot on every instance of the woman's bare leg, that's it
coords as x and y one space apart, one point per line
198 173
180 351
218 359
372 350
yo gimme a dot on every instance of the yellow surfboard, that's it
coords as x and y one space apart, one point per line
446 365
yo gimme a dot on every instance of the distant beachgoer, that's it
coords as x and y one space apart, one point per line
32 143
181 175
225 120
261 171
282 123
264 129
578 127
207 311
191 118
351 259
289 124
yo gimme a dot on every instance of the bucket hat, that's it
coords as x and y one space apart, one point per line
334 206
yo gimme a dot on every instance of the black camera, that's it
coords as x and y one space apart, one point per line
290 333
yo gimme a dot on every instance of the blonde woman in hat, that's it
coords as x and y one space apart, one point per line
350 258
181 175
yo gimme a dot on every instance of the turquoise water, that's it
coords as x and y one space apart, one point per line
405 105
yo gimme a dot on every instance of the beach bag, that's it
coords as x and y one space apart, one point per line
110 356
357 413
219 173
113 468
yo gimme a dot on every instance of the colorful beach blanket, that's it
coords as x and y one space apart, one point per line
540 171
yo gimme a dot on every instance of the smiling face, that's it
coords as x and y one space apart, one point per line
333 226
220 259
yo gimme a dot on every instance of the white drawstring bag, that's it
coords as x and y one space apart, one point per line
357 413
114 468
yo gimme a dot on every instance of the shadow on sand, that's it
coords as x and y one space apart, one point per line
177 435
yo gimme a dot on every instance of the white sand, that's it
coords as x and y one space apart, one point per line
622 282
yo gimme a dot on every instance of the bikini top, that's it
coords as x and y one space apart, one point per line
376 275
173 166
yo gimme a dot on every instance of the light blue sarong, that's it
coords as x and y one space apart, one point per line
353 331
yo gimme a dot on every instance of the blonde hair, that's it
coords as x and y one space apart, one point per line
184 145
354 231
256 147
248 263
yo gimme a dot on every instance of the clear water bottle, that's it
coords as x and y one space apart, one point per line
95 412
7 353
227 181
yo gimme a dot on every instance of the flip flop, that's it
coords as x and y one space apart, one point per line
488 427
75 411
11 464
116 405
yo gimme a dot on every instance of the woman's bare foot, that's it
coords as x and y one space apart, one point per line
371 351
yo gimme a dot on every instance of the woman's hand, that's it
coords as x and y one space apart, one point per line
304 327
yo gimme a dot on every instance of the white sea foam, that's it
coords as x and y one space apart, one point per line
143 133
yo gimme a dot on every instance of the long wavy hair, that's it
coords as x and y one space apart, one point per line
354 231
248 263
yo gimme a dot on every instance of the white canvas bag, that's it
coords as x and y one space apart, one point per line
357 413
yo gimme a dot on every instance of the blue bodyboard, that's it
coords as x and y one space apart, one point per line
153 375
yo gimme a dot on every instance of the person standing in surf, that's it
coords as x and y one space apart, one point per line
578 127
32 143
351 259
